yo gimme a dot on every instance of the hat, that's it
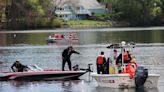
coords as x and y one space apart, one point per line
133 60
115 50
70 47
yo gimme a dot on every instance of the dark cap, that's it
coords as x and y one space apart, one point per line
102 53
70 47
115 50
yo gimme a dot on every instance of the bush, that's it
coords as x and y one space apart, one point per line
110 16
36 23
56 23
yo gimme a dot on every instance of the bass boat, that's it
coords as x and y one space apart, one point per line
35 73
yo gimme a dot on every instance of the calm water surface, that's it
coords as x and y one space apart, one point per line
31 48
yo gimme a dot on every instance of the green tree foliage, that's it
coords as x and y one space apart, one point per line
2 12
25 14
139 12
36 6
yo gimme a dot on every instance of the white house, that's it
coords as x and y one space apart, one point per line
78 9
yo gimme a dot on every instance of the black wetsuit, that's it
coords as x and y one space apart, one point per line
19 67
66 54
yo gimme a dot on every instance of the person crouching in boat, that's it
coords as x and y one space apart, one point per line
100 63
66 54
131 67
18 67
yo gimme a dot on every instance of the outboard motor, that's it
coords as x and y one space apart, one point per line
141 75
76 67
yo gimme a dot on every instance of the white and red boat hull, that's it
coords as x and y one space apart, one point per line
41 75
123 80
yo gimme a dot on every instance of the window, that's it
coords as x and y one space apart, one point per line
78 8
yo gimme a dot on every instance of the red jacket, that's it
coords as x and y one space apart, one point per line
126 56
100 59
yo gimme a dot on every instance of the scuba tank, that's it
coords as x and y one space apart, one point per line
141 75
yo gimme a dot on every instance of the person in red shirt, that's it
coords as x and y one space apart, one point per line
126 58
100 63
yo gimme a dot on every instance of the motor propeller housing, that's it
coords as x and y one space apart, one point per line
141 75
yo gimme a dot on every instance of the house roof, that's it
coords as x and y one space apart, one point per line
90 4
87 4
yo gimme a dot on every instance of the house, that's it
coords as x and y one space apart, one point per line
78 9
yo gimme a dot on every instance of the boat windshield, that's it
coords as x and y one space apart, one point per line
34 68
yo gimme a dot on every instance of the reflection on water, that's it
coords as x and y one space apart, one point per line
44 86
61 86
151 36
101 89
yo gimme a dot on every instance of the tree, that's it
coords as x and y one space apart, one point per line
2 12
138 12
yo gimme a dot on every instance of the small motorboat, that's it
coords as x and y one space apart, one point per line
124 80
35 73
137 77
58 38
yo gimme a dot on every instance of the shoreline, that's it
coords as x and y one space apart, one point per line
87 30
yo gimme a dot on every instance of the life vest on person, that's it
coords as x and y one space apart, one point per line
131 68
126 56
100 59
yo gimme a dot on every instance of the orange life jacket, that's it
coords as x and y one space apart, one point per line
131 68
126 57
100 59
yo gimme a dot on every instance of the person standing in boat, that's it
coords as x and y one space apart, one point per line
126 57
18 67
115 54
100 61
66 54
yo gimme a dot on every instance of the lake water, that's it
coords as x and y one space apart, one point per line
32 48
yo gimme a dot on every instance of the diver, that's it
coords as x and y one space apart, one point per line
66 54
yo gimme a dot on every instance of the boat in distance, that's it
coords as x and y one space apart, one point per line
60 38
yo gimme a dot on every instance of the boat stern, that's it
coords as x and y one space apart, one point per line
113 80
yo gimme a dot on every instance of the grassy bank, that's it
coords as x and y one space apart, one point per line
45 23
87 24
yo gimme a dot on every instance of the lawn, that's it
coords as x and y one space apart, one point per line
87 22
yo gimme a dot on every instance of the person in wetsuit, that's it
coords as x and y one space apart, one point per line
17 67
66 54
